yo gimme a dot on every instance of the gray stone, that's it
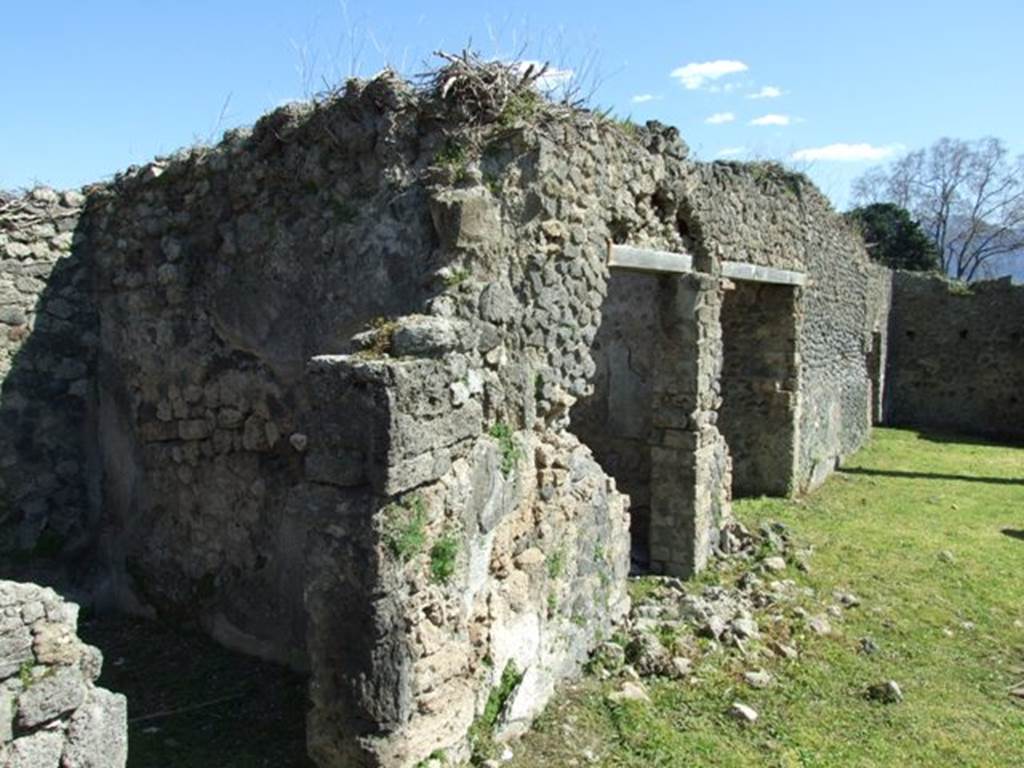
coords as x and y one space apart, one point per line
41 749
743 713
629 691
888 692
98 733
51 696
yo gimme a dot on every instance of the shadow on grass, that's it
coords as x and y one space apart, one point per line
192 703
1013 533
929 476
945 437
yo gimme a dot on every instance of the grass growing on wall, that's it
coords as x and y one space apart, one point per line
929 533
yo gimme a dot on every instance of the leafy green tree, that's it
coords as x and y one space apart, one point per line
893 238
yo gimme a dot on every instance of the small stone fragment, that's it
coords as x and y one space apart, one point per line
629 691
888 692
868 646
774 564
758 678
819 625
743 713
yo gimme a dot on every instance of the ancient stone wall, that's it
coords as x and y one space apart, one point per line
47 359
760 386
879 309
467 425
760 214
956 355
51 713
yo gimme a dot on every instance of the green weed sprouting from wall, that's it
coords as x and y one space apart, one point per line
405 527
442 558
481 733
511 453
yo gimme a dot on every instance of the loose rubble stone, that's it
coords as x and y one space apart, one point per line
59 715
743 713
888 692
629 691
819 625
758 678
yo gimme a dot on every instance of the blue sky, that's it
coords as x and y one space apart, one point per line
93 86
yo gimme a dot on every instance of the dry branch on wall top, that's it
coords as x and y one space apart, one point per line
482 91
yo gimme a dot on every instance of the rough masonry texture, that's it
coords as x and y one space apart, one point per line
357 391
956 355
51 714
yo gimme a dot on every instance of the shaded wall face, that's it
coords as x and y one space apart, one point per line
47 361
615 421
219 275
760 380
956 356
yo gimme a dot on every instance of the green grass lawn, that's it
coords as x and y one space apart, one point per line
950 631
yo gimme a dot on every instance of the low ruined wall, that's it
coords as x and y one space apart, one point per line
47 360
956 355
51 713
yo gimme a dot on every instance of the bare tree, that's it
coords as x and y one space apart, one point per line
968 197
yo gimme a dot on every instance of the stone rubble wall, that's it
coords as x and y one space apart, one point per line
761 214
465 421
220 272
760 386
956 355
51 713
47 360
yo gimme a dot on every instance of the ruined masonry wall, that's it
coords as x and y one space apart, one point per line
51 713
47 360
760 214
466 417
760 377
220 272
956 355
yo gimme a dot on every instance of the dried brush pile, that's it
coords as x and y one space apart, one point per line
475 90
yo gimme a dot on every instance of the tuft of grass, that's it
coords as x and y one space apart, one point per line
456 277
521 107
442 558
405 527
481 733
384 328
556 563
511 453
948 632
25 675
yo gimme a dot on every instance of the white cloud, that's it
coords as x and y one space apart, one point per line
766 92
696 74
720 117
772 120
730 151
551 79
643 98
847 153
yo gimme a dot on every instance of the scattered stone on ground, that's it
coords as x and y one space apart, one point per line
819 625
743 713
758 678
750 616
945 556
868 646
629 691
888 692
